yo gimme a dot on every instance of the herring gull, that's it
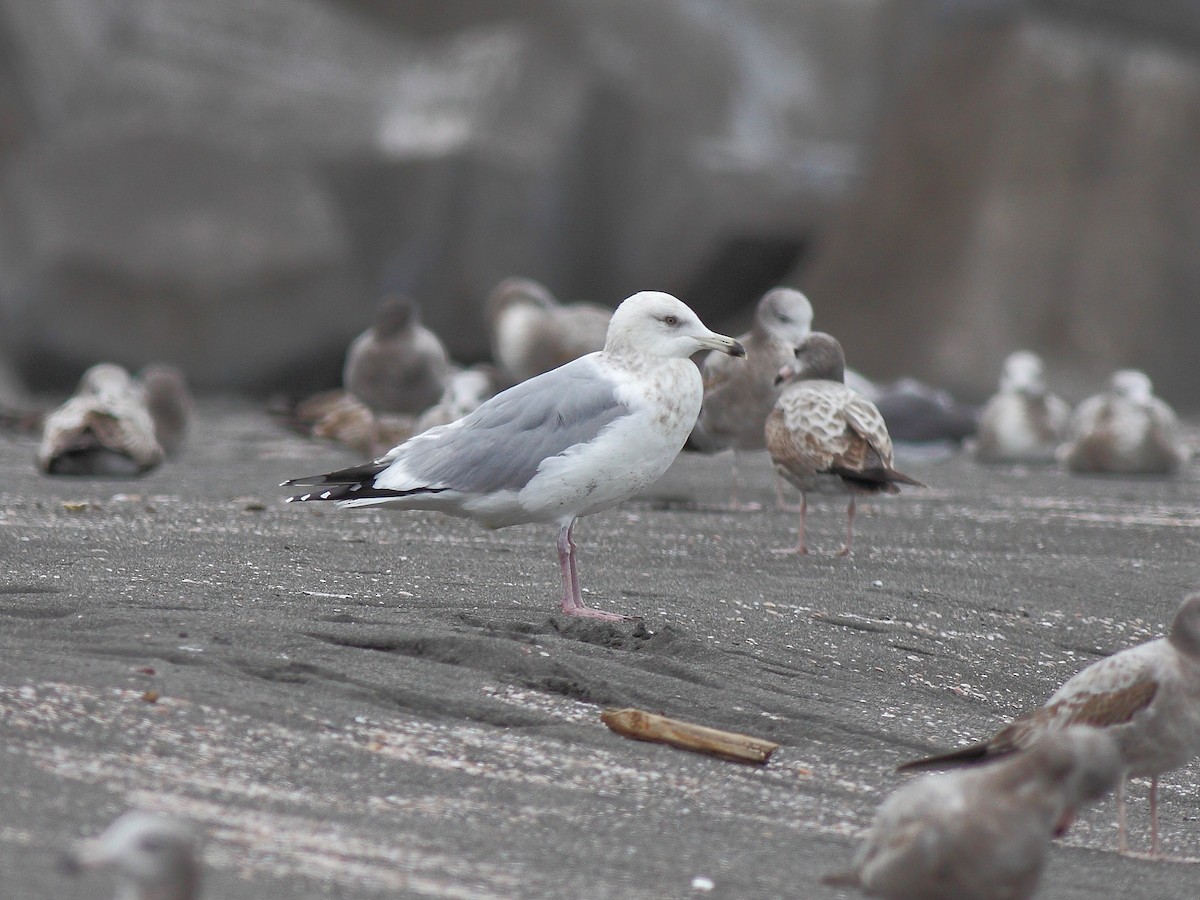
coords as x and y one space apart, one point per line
1147 697
982 834
155 856
739 396
823 436
1023 422
570 442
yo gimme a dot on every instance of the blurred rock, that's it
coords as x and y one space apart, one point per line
229 186
1037 185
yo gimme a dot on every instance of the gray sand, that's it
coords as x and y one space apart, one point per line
369 704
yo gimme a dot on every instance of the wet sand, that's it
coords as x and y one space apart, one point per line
368 704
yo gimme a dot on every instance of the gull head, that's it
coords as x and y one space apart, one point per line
1132 385
1022 373
395 314
656 324
153 854
818 357
784 314
1185 629
518 291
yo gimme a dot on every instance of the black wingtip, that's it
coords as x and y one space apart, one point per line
961 757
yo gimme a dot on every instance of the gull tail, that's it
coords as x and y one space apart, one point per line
842 879
963 756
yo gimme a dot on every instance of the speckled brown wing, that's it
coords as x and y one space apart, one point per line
1102 709
806 432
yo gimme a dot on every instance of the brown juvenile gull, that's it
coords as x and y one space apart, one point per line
397 365
738 396
155 857
1022 422
570 442
532 332
982 834
822 436
1147 697
1126 430
104 430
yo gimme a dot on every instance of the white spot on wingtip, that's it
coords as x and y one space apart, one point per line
306 497
326 495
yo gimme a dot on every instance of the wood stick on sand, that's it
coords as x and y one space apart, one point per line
645 726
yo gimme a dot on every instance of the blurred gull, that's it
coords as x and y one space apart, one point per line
1126 430
982 834
822 436
570 442
104 430
466 390
1023 422
1147 697
169 404
738 395
155 857
920 414
397 365
532 332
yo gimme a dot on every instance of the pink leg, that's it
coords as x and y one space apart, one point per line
845 551
1155 850
1122 837
572 598
734 505
801 546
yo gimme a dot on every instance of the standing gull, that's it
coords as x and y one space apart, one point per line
532 332
570 442
1023 422
397 365
983 834
154 855
1126 430
823 436
739 396
1147 697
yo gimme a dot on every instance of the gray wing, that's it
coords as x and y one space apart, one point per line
500 445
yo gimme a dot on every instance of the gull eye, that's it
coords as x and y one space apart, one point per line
152 843
671 321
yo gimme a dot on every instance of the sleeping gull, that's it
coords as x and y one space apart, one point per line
822 436
1126 430
1147 697
570 442
154 855
738 396
1023 422
533 333
982 834
104 430
397 365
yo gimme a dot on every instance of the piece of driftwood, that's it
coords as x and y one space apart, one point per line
644 726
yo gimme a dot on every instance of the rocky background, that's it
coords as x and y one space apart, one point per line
231 185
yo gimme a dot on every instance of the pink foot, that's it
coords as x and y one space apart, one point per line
589 613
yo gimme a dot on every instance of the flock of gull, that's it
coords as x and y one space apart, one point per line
600 404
